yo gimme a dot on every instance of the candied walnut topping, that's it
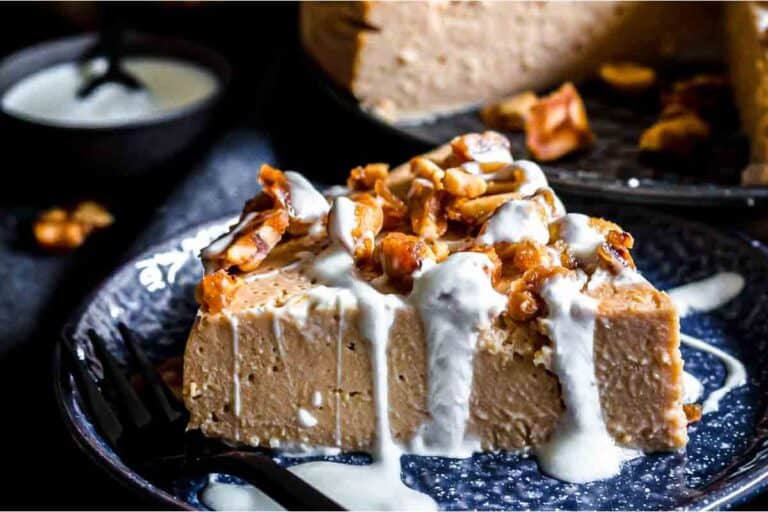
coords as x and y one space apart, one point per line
614 253
365 177
216 290
357 233
429 170
509 113
524 304
677 135
703 94
58 229
394 209
523 256
693 412
276 186
400 255
477 211
558 125
628 77
428 218
460 183
252 240
485 148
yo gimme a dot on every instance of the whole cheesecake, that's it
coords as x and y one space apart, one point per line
412 60
449 306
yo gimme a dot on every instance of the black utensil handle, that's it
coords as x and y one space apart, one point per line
256 468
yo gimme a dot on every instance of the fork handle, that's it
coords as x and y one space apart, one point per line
257 469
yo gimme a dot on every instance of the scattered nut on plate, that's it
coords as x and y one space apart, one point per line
628 77
57 229
675 135
558 125
509 113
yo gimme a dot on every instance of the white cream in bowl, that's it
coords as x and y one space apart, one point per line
50 95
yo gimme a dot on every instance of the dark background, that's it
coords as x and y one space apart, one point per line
276 111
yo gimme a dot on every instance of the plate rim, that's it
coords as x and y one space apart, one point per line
728 496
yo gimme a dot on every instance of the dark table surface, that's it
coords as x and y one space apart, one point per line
275 113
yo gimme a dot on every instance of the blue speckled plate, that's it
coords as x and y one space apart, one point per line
725 462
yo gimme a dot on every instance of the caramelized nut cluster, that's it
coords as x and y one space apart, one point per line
688 110
628 77
441 204
509 113
58 229
558 125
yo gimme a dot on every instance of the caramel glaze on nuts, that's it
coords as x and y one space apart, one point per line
441 209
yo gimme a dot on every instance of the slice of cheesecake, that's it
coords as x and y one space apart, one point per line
448 306
411 60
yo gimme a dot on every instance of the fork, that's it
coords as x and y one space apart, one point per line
150 433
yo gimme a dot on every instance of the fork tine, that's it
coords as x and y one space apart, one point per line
158 391
128 400
105 418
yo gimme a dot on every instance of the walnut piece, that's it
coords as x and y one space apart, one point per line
357 234
215 291
703 94
429 170
256 235
58 229
478 210
364 177
677 135
558 125
460 183
400 255
276 186
485 148
693 412
628 77
428 218
394 209
509 113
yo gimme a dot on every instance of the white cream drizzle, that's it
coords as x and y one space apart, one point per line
341 222
306 418
707 294
307 204
736 373
702 296
581 237
581 449
692 388
456 301
218 246
533 178
515 221
229 496
377 486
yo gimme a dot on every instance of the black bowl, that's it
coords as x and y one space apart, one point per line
126 149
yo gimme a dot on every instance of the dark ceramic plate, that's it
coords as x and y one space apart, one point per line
613 168
725 462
